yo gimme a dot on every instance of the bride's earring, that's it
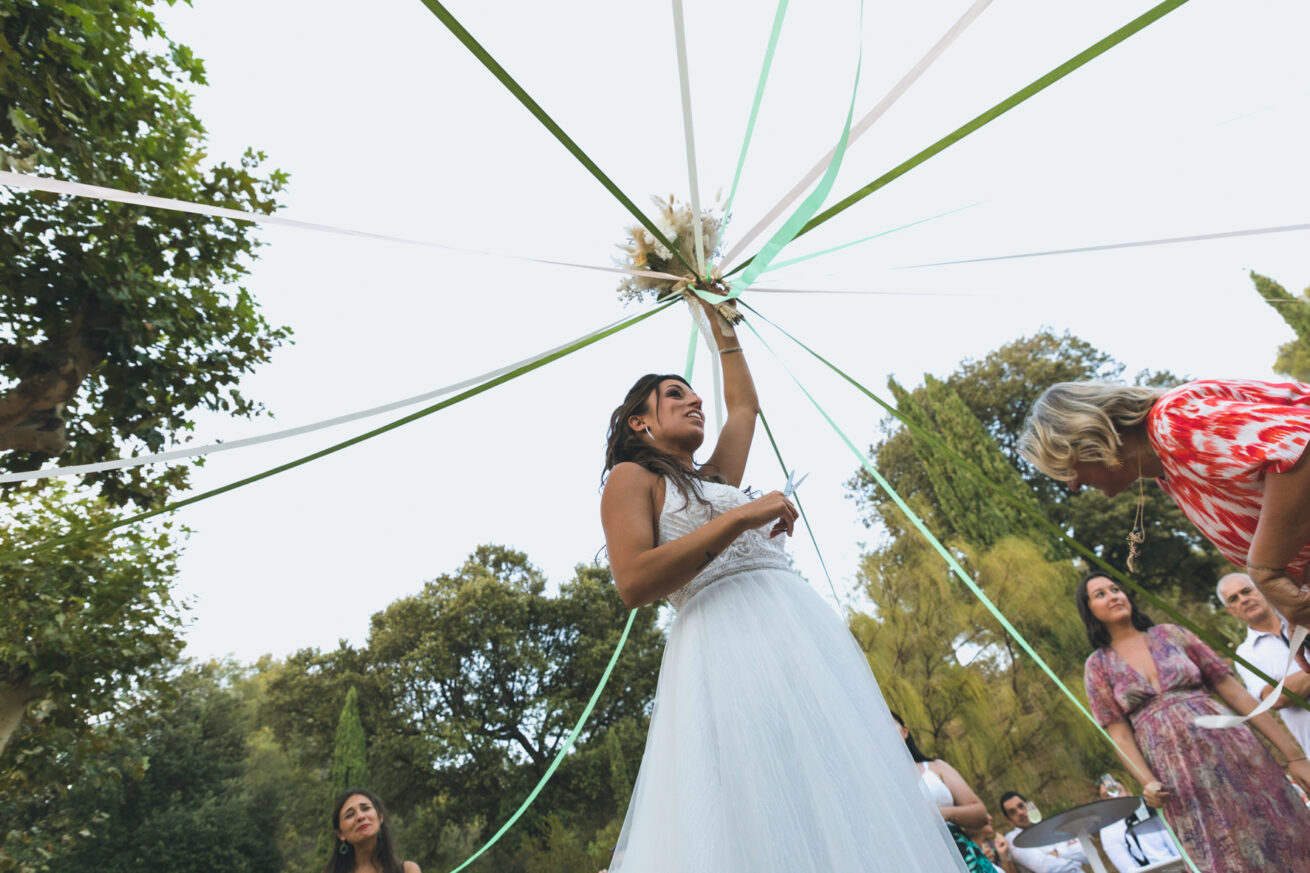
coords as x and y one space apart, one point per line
648 434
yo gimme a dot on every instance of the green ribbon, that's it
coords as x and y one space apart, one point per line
1150 16
1036 515
564 750
792 227
691 351
75 535
803 258
558 132
755 106
951 561
800 507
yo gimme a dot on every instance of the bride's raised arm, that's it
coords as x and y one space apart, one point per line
730 452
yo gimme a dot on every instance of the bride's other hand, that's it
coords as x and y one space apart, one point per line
771 507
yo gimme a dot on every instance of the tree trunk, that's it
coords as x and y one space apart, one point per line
13 706
30 417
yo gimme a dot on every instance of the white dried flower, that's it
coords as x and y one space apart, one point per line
642 251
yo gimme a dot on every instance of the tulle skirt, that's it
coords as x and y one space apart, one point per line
771 749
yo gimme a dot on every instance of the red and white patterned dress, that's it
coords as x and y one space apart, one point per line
1217 438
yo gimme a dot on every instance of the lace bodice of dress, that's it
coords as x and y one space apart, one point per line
753 550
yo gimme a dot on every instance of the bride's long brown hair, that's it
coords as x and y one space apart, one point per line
625 444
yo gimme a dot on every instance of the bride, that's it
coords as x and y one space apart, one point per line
770 747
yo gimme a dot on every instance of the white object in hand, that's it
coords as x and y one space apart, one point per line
793 483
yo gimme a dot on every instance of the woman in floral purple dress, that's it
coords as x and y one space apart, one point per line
1220 789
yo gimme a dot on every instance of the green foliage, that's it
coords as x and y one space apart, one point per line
466 691
202 804
998 390
1293 356
349 765
117 322
968 506
961 684
84 634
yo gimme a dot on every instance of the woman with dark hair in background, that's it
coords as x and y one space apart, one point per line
362 841
770 748
1222 792
957 803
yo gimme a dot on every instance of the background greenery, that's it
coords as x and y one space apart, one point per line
116 325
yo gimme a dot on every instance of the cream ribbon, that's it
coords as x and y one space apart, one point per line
114 195
860 127
211 448
684 82
1228 721
1163 241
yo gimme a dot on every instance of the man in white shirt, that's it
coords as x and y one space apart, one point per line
1137 841
1066 857
1266 647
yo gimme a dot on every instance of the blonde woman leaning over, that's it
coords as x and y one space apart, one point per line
1230 452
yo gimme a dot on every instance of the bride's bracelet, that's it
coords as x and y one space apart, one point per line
1278 570
729 350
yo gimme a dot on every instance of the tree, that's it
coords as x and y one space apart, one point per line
495 673
116 322
969 508
961 682
962 686
1294 356
205 801
467 690
349 767
83 629
998 390
85 634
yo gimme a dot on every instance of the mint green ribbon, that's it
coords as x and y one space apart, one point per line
803 258
691 351
1137 24
755 106
1036 515
797 220
953 563
564 750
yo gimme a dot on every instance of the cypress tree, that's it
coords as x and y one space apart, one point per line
349 767
1294 356
966 507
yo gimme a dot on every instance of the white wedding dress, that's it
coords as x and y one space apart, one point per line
770 747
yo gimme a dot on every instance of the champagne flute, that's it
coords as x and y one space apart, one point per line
1034 814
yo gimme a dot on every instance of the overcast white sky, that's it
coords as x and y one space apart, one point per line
386 123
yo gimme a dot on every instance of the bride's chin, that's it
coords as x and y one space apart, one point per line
695 440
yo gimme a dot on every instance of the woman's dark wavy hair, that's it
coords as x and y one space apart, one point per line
918 756
1097 635
384 853
622 443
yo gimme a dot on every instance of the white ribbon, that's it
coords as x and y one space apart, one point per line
211 448
1228 721
1164 241
114 195
864 124
702 322
684 82
758 289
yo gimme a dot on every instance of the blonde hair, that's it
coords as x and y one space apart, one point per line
1082 421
